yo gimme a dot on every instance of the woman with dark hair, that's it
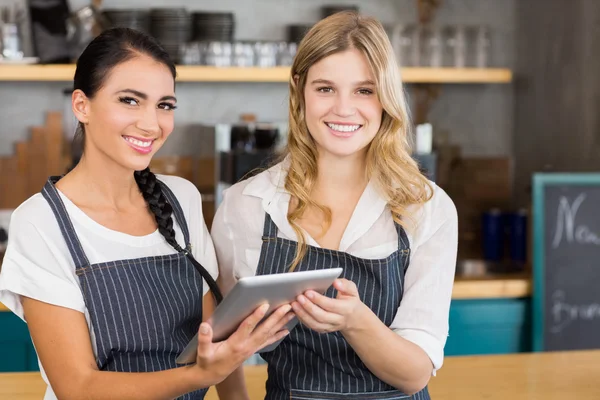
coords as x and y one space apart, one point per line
109 264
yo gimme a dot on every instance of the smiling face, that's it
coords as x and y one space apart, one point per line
342 111
131 115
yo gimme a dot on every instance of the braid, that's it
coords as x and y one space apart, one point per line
158 205
163 211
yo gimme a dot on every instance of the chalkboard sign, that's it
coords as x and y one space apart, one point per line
566 264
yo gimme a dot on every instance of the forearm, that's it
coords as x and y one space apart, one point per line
162 385
233 387
393 359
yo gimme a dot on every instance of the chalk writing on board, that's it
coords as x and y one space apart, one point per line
566 225
564 313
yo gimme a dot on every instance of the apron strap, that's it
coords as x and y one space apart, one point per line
177 212
403 244
270 229
51 195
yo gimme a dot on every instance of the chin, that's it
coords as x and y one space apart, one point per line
343 151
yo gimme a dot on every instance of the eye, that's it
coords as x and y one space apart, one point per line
129 101
325 89
167 106
365 91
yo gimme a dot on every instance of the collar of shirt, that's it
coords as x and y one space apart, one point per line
270 188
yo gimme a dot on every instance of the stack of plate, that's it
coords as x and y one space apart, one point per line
296 32
134 19
213 27
172 28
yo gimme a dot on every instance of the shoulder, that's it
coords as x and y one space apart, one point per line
439 211
244 204
181 187
440 205
258 188
34 212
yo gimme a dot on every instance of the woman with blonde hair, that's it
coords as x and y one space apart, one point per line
348 194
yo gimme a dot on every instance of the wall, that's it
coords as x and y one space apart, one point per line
478 117
558 89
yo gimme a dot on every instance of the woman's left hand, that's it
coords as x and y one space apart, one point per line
324 314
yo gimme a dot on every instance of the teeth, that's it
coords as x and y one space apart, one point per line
343 128
138 142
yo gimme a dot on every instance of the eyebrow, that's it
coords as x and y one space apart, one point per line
144 96
367 82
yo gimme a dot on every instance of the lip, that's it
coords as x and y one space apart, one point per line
139 149
343 135
343 123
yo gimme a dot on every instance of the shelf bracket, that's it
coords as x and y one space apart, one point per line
425 94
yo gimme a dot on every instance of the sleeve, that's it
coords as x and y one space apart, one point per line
38 266
423 314
222 234
202 245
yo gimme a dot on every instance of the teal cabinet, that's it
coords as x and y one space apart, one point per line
17 353
483 326
489 326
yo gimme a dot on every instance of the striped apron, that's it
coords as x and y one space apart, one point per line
143 311
319 366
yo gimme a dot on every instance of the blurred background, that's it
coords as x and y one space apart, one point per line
499 90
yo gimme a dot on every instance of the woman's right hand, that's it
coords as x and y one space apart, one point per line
218 360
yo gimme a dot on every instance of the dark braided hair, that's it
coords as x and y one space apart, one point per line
109 49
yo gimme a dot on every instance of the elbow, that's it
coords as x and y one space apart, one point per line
416 385
418 379
73 389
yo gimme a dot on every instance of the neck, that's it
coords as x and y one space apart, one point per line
105 183
341 175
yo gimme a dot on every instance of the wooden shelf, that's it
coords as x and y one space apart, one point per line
493 287
192 73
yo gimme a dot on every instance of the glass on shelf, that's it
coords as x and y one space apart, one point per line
456 42
432 46
238 54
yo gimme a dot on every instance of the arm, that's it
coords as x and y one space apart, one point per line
61 338
63 344
407 353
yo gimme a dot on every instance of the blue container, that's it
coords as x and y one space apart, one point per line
518 236
493 235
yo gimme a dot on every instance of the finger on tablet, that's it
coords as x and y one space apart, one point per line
204 340
273 323
247 327
275 338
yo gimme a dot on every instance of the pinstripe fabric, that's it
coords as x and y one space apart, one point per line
144 311
309 365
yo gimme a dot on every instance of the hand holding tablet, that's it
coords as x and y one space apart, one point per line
249 293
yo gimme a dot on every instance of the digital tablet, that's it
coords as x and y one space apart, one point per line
250 292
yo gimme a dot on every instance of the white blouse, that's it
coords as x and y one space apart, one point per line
422 317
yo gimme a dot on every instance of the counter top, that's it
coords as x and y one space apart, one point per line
525 376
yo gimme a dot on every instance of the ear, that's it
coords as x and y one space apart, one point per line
296 78
81 106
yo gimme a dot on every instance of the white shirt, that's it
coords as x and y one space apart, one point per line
37 263
422 317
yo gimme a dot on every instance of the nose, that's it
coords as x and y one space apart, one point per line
344 105
148 120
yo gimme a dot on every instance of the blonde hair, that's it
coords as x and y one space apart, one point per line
389 162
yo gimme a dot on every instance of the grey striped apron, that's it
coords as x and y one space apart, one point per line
143 311
309 365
